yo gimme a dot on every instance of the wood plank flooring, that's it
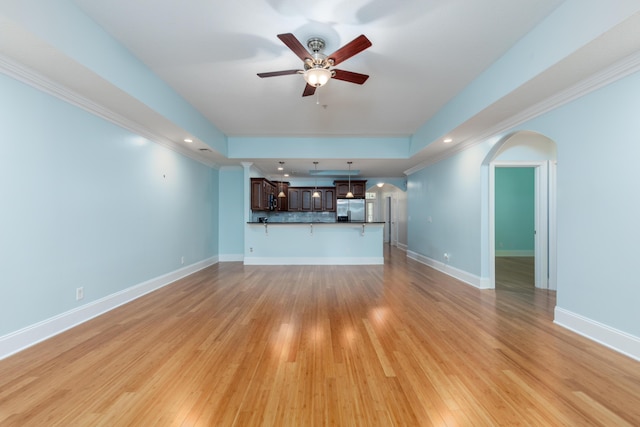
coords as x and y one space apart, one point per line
515 274
393 345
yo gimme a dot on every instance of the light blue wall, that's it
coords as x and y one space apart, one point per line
317 148
63 25
572 25
231 214
597 143
514 209
86 203
444 210
598 205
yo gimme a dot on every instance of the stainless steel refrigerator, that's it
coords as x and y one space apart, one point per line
352 209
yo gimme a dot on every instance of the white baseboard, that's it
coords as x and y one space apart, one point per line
231 257
466 277
33 334
619 341
402 247
515 253
314 261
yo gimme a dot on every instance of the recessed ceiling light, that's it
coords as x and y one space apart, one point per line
188 140
286 174
447 140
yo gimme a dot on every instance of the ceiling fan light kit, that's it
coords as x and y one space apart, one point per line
317 66
317 77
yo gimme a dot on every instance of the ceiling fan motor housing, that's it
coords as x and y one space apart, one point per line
315 44
318 59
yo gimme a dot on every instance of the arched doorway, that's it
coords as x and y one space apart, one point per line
387 203
525 149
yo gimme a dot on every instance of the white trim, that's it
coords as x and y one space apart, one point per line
46 85
541 238
463 276
314 260
33 334
515 253
611 74
622 342
553 226
231 257
403 247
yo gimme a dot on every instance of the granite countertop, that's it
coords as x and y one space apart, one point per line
313 223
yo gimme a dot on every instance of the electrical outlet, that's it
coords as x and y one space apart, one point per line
250 249
79 293
182 260
446 256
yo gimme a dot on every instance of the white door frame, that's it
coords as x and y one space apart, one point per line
544 265
553 254
394 221
388 232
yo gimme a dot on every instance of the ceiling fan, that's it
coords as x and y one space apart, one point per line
318 66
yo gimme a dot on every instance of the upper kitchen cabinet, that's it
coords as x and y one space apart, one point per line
282 202
263 195
358 188
327 200
293 199
328 197
301 199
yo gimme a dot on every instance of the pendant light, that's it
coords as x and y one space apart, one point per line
281 193
349 194
316 194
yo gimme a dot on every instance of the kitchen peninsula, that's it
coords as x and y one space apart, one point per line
299 229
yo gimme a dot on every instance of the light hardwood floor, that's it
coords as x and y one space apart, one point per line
399 344
515 274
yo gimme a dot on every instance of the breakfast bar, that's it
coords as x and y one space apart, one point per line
320 243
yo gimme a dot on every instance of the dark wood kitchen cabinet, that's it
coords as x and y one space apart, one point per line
263 194
318 202
301 199
282 202
293 196
306 199
358 188
327 200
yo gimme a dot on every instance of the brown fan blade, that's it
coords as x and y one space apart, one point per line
355 46
350 76
292 43
278 73
309 90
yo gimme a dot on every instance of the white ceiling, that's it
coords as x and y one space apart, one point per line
423 53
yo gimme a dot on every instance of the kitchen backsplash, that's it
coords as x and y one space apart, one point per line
294 216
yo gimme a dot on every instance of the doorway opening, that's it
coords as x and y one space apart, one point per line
514 227
387 204
387 220
534 154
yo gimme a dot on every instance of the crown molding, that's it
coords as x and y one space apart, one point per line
34 79
605 77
